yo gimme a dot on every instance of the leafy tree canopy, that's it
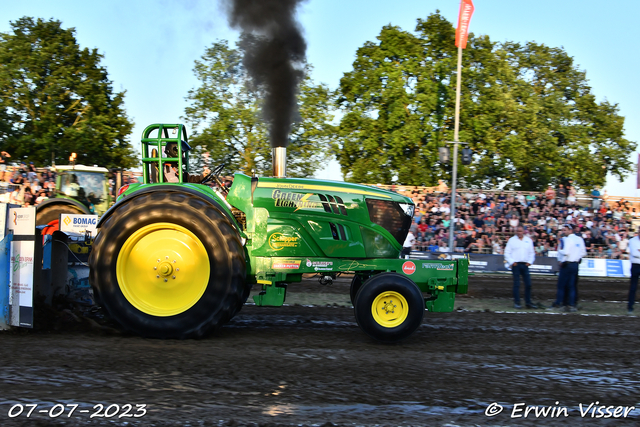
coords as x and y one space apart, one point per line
225 114
57 99
527 112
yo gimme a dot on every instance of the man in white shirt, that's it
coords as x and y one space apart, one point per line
519 254
408 243
634 257
569 256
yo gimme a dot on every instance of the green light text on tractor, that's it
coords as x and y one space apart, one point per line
178 259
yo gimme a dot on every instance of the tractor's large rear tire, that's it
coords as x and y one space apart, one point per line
52 212
169 265
389 307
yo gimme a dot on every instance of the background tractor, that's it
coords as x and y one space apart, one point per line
178 259
79 190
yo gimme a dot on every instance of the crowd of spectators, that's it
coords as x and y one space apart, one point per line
24 185
484 221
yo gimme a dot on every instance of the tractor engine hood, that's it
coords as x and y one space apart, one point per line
345 214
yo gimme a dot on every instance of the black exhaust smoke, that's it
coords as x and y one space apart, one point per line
274 57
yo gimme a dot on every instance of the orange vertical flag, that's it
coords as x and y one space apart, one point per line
462 32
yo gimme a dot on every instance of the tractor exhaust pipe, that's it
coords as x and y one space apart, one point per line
280 162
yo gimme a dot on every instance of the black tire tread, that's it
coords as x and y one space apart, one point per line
373 287
52 212
227 288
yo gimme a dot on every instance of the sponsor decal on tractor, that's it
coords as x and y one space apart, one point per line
320 265
286 199
286 265
408 268
445 267
278 241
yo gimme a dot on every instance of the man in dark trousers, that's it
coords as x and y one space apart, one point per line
571 253
634 257
519 254
561 292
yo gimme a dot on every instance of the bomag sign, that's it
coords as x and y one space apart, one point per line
78 223
287 199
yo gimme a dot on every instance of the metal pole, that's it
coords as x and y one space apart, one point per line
454 177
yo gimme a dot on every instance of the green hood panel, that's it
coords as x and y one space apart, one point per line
307 217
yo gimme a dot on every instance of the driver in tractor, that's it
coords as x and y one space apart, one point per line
171 172
72 188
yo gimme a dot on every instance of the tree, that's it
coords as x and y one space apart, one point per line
527 112
225 115
57 99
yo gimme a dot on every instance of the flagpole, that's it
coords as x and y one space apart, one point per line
454 177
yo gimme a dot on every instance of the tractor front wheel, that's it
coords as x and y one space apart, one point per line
169 265
389 307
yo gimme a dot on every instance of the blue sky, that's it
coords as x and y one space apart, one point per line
150 45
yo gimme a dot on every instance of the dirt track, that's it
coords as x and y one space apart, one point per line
302 365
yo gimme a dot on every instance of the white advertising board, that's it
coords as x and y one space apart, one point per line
22 221
593 267
597 267
79 223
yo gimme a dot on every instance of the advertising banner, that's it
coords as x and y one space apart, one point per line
464 18
486 263
545 265
22 222
618 267
626 267
78 223
614 268
593 267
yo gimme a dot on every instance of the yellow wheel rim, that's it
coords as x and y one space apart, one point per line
390 309
163 269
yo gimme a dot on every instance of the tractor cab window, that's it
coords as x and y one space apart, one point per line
86 187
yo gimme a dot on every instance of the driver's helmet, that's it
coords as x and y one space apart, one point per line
171 149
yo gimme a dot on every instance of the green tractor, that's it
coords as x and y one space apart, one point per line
79 190
178 259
